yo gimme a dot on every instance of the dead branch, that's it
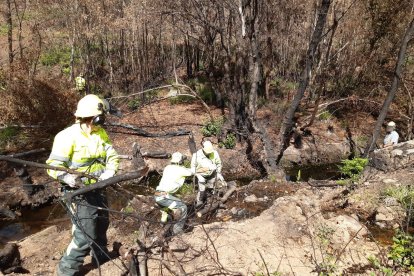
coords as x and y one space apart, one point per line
43 166
141 132
30 152
176 85
155 155
180 267
105 183
215 205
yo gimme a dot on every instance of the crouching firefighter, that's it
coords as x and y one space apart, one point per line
206 165
173 178
85 147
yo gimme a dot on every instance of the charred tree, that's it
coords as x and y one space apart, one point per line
393 89
310 60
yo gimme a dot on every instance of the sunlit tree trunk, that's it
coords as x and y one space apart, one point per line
393 89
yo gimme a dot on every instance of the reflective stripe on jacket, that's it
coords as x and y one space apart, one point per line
173 178
75 149
205 165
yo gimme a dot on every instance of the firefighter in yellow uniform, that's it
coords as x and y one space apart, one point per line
80 83
85 147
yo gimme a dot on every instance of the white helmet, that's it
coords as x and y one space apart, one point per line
208 147
176 157
391 124
90 106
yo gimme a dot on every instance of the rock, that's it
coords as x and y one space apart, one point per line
251 198
388 216
10 257
389 181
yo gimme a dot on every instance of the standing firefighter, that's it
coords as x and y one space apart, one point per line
173 178
85 147
80 83
206 163
392 136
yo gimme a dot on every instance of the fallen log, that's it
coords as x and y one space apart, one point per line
141 132
212 207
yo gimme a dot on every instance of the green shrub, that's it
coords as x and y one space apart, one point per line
326 115
212 128
353 168
402 251
134 104
55 56
403 194
229 142
206 93
7 136
185 190
183 99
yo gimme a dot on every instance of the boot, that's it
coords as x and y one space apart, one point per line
200 198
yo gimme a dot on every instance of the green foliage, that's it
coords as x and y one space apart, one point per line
379 266
7 136
404 195
183 99
324 234
326 115
353 168
185 190
212 128
328 266
134 104
4 29
402 251
229 142
272 178
206 93
56 56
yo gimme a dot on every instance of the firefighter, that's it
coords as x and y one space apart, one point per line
85 147
173 178
206 165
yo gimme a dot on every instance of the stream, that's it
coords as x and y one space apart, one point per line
35 220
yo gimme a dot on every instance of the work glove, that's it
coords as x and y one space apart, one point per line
106 174
220 177
72 180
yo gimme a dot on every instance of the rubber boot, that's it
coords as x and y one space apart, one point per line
201 195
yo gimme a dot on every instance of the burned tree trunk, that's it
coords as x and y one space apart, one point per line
288 122
393 89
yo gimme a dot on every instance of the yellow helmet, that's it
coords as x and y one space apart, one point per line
90 106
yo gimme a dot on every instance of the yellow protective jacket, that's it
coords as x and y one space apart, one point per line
80 83
75 149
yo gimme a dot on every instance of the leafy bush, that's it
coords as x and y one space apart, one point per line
185 190
229 142
55 56
353 168
206 93
7 135
184 99
402 251
403 194
134 104
326 115
212 128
